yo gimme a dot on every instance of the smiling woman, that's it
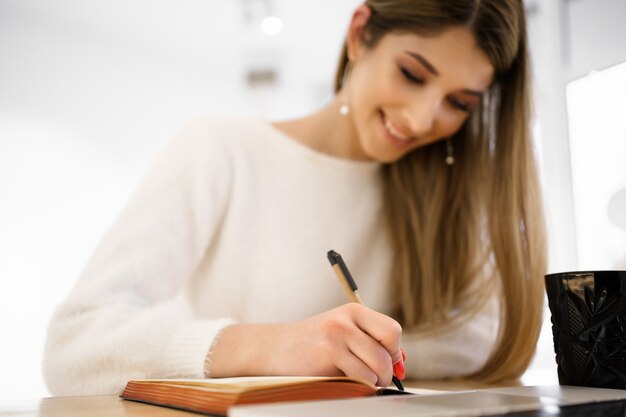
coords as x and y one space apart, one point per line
419 171
483 213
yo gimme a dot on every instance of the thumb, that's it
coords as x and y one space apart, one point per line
398 365
398 356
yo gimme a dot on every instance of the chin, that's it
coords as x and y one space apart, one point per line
384 156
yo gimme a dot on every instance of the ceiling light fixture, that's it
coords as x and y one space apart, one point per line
271 25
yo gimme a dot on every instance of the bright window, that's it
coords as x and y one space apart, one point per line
596 106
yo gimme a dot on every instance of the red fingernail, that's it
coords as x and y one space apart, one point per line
398 370
403 355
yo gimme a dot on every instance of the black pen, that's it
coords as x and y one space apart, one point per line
351 290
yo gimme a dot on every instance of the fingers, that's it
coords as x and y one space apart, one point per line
398 357
352 366
366 343
373 355
380 327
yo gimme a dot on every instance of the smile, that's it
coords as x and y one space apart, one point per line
393 133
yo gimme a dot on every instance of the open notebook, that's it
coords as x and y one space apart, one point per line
216 396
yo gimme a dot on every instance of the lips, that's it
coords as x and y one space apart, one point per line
394 132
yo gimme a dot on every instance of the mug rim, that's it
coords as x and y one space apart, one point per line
553 274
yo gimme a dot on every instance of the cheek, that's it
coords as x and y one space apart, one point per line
449 125
444 128
375 88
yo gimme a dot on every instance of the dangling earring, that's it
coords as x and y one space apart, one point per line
449 152
344 109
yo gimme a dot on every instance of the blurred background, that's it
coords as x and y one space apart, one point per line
90 89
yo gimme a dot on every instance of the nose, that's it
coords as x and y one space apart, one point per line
420 116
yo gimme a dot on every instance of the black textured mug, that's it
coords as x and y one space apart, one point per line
589 327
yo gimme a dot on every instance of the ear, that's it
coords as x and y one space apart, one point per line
356 30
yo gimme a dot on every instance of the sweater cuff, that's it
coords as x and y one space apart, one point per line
187 349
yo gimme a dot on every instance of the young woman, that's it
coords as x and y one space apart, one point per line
420 173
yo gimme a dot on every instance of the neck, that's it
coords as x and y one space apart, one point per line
327 131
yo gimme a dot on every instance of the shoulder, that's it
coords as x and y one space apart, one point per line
214 128
205 147
220 133
208 138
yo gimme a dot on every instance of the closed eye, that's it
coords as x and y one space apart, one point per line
409 76
459 105
416 80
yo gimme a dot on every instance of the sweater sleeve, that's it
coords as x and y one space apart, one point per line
455 352
126 317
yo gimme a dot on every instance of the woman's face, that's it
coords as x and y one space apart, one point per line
409 90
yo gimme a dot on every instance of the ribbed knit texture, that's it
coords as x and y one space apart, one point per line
232 223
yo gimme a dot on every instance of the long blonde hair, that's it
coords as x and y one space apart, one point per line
461 232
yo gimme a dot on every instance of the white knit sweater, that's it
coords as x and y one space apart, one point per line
232 224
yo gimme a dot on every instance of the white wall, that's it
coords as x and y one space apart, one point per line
89 90
596 35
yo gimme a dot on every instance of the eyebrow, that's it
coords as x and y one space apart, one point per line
476 93
423 61
434 71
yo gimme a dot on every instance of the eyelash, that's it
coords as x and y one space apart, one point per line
459 105
409 76
416 80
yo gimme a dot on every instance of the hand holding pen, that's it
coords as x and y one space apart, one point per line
350 339
352 292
